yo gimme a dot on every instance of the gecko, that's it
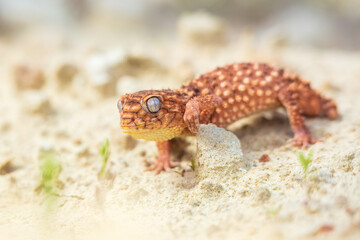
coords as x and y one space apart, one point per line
221 97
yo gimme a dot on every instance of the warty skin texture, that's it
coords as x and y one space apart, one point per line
221 97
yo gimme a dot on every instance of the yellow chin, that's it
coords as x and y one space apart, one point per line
158 135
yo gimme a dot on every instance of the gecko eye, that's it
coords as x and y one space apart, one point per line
119 105
153 104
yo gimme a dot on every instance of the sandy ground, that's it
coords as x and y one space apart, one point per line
272 200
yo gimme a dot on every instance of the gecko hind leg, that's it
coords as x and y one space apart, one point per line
290 99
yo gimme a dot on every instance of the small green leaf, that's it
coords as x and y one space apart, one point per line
192 160
272 212
105 154
50 169
305 161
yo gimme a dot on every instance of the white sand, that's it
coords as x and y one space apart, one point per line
271 200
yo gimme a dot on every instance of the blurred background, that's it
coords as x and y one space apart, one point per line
146 41
316 23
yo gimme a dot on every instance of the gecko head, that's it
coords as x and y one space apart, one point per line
153 115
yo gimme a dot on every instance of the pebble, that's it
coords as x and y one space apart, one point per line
26 77
219 154
65 74
201 28
98 69
37 103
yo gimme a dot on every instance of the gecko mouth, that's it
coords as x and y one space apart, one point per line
127 129
152 133
144 126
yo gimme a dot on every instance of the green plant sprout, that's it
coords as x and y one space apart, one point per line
50 168
305 161
105 154
192 160
272 212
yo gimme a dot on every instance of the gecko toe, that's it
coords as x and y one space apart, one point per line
304 141
162 165
192 121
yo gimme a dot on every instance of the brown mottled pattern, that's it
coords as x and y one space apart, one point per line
222 97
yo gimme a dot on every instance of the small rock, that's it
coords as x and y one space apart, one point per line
219 154
77 141
105 70
346 161
137 194
123 142
97 69
263 194
195 203
5 126
26 77
82 151
6 165
329 86
187 212
130 143
138 63
210 188
61 132
104 86
264 158
37 103
312 206
65 74
325 228
201 28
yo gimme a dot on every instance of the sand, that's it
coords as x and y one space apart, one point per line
229 195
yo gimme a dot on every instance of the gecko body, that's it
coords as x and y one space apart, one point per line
221 97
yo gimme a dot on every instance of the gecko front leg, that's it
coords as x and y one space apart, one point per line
199 110
163 161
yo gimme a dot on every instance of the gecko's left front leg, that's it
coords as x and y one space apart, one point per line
199 110
163 161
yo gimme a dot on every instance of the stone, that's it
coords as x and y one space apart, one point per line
219 154
65 74
27 77
201 28
37 103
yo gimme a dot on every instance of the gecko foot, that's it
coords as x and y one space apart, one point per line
303 140
162 164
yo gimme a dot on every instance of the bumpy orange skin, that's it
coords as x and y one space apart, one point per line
222 97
